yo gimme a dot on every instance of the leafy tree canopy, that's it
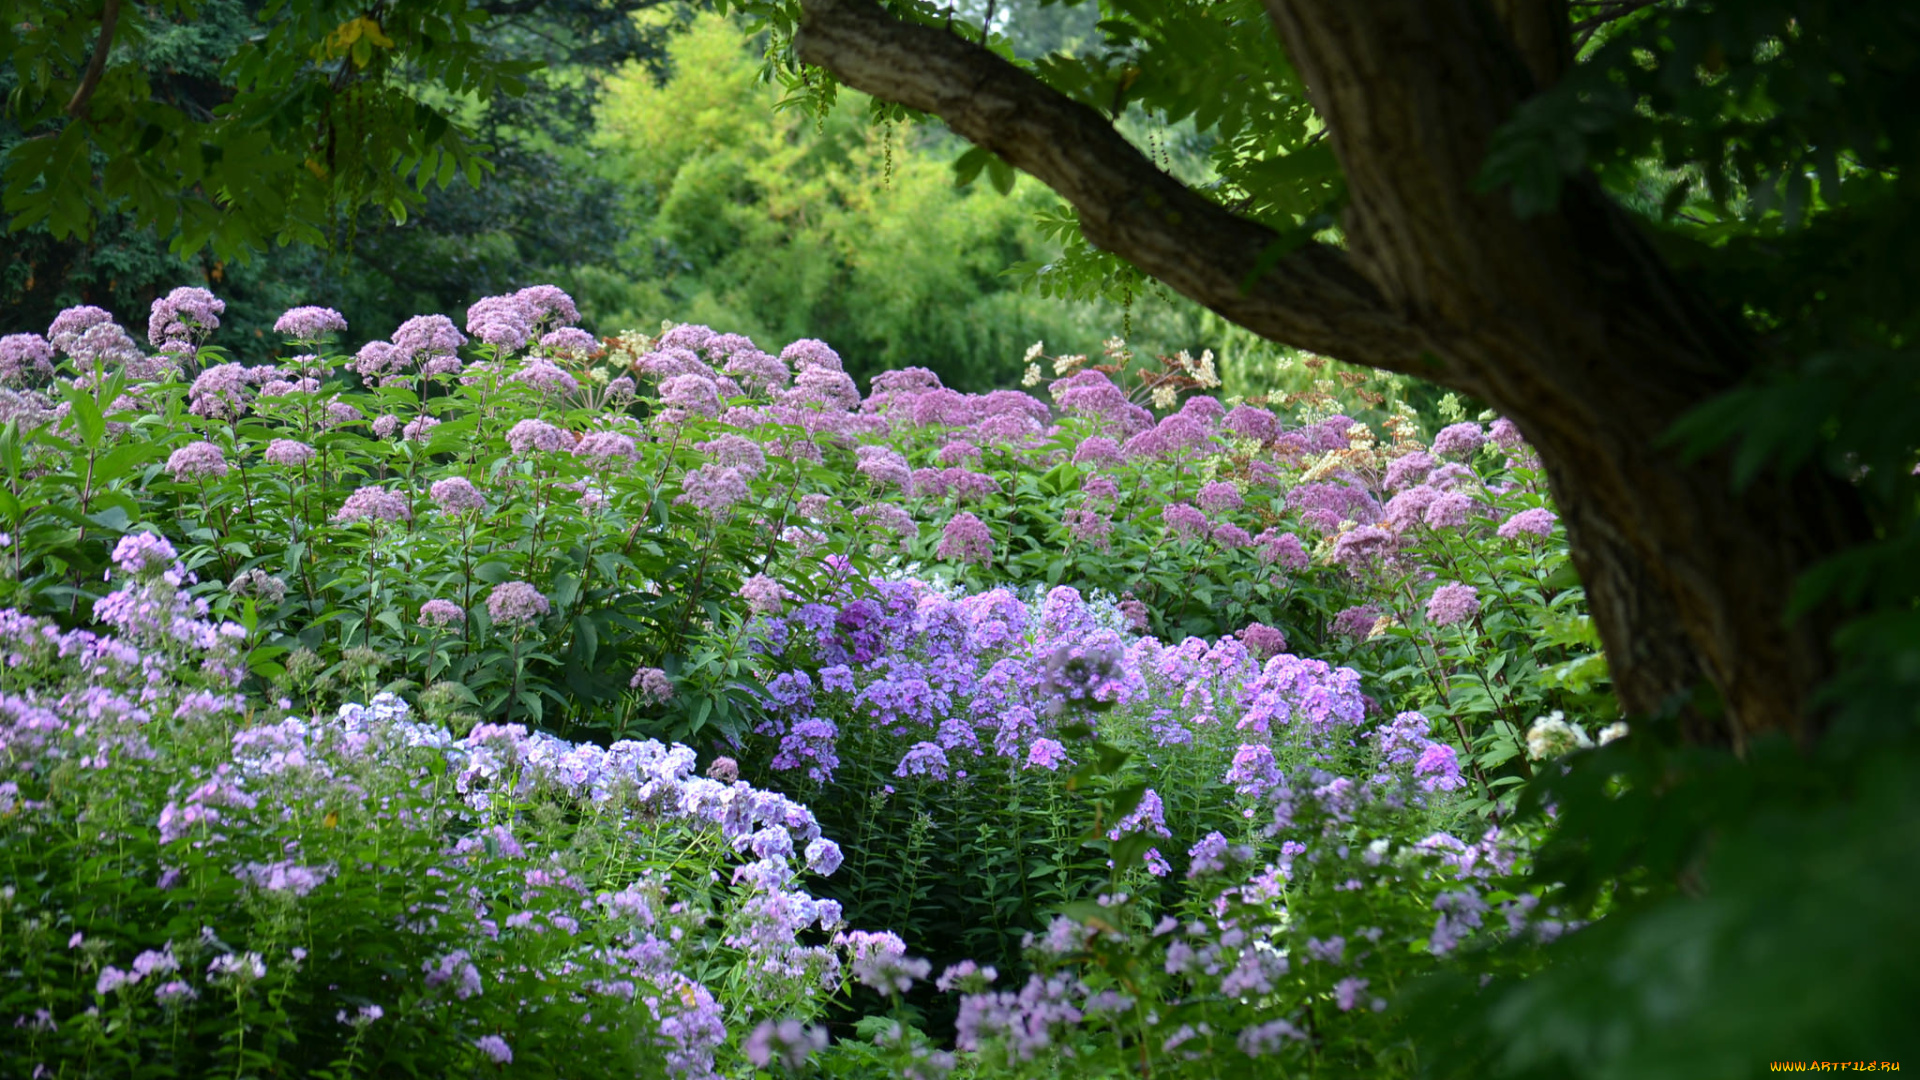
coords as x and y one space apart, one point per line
122 111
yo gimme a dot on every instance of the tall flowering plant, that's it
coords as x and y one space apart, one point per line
191 885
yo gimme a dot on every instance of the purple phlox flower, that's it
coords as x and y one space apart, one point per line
196 460
787 1041
1023 1023
1402 739
112 979
146 554
1459 440
1453 603
1214 854
809 744
416 429
880 961
283 877
965 975
1439 768
1460 914
385 426
495 1048
374 503
183 315
238 968
456 969
823 856
516 604
153 962
924 759
1149 816
1253 772
1537 521
1329 951
1046 754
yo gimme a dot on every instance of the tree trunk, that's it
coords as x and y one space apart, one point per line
1571 325
1566 322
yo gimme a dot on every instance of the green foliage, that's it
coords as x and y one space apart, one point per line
837 226
539 216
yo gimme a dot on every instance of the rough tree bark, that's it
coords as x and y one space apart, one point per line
1566 322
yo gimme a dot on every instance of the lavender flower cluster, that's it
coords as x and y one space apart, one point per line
140 713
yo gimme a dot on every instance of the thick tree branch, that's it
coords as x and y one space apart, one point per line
1311 297
89 82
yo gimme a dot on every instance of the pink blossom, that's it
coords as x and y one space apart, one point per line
1453 603
374 503
310 323
516 603
1535 522
288 453
195 460
965 538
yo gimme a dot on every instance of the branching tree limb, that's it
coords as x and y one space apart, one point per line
109 16
1567 321
1310 297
